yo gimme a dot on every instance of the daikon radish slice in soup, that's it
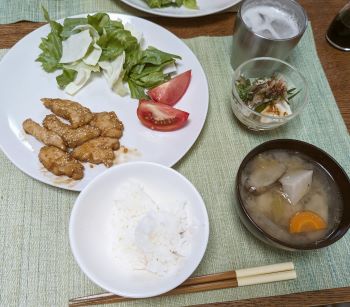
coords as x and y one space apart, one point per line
296 184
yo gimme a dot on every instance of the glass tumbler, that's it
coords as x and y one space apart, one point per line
270 28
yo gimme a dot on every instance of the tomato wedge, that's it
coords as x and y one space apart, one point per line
161 117
171 91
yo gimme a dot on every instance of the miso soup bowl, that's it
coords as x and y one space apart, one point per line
328 163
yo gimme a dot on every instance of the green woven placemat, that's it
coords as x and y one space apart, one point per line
37 267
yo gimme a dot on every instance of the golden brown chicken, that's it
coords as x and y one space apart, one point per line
72 111
72 137
43 135
60 162
96 151
108 123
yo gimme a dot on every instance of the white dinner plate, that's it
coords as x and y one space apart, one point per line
24 82
205 7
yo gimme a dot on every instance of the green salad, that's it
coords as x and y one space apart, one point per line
95 44
190 4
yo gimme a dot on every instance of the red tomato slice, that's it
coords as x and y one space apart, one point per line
161 117
170 92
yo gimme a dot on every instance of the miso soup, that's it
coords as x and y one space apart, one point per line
291 197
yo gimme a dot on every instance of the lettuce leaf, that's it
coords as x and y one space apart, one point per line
51 46
156 57
137 91
163 3
151 80
114 40
133 57
99 21
134 32
111 48
190 4
145 70
69 24
55 26
67 76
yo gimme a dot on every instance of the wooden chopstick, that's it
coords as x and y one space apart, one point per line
109 298
230 275
230 279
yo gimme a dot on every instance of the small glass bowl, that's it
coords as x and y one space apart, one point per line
266 67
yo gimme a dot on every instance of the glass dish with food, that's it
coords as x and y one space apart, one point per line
292 195
267 93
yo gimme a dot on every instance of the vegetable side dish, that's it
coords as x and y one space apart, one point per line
158 112
268 95
94 44
190 4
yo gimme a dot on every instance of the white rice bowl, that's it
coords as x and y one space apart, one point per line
143 247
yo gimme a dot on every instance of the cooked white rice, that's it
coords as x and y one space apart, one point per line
150 236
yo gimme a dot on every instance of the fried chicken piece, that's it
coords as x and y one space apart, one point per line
72 137
108 123
96 151
43 135
60 162
72 111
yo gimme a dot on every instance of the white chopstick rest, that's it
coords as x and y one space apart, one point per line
266 278
273 268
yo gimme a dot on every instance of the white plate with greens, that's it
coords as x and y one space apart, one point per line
24 83
189 8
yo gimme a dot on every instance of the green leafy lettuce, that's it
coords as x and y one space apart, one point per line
51 46
145 70
190 4
110 43
67 76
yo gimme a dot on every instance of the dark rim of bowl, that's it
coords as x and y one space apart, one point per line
328 163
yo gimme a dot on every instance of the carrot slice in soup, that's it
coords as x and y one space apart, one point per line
306 221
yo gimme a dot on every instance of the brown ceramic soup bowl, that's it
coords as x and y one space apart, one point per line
318 156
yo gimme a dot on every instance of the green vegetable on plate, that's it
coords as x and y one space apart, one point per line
96 43
190 4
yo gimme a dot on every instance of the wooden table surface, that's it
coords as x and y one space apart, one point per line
335 63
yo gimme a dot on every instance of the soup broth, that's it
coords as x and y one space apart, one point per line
291 197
